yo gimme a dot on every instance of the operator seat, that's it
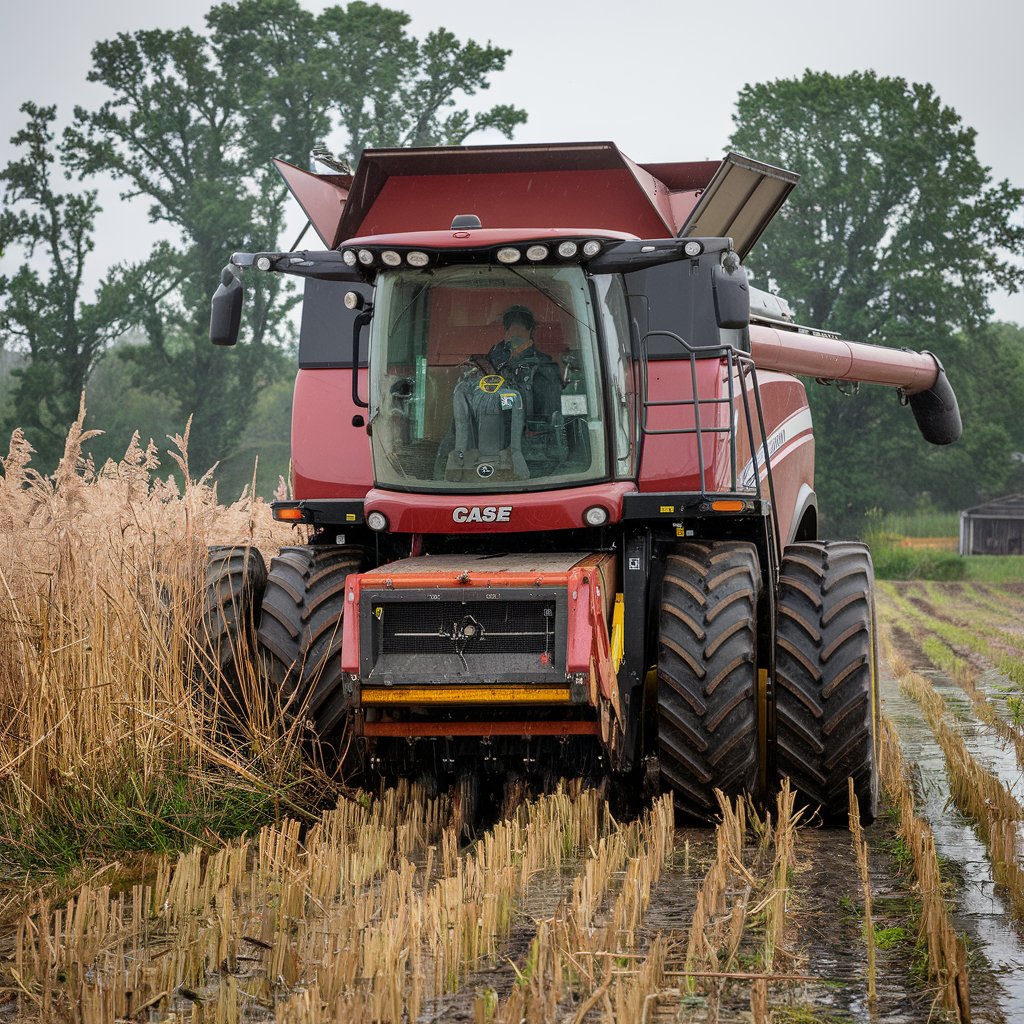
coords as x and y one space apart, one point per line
488 419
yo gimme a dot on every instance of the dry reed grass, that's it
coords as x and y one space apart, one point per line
105 746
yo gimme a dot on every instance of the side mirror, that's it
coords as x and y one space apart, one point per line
226 309
732 294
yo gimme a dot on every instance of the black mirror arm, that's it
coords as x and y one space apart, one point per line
357 329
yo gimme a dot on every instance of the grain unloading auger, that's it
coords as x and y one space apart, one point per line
558 482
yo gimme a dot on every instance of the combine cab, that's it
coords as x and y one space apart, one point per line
556 465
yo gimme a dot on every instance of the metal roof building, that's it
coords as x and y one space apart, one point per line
995 528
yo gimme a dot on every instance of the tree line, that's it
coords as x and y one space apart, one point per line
190 126
896 234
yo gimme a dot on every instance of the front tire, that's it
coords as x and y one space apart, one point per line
233 588
300 636
826 692
707 674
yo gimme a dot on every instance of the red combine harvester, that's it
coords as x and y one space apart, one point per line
557 470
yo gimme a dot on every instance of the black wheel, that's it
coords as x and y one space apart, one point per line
826 677
300 636
707 674
233 588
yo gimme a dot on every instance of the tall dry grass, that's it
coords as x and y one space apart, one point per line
104 745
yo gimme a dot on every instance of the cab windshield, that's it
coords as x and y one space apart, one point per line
485 379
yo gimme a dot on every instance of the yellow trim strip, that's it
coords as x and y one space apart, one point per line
465 694
618 642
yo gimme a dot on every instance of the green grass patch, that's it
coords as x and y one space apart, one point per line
125 816
919 524
888 938
1015 706
896 563
994 568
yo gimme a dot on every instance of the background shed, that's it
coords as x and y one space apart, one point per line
995 528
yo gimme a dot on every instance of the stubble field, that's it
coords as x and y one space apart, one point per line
150 873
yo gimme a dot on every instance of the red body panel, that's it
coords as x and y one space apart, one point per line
669 461
788 428
531 511
330 456
483 237
507 200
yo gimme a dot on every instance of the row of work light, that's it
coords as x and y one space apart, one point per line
538 252
508 254
389 257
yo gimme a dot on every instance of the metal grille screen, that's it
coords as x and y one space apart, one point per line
479 627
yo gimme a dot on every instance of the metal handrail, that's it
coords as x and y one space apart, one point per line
740 365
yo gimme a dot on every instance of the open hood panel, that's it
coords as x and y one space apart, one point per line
589 184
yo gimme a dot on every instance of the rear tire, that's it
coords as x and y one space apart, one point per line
300 636
707 674
826 677
232 591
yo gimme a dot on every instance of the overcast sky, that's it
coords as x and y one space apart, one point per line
659 78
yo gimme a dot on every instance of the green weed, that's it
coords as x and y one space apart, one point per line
887 938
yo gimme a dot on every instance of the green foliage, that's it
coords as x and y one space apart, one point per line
266 438
190 124
896 234
43 314
1015 706
119 405
901 852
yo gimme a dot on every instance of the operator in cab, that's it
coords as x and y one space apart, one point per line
503 421
532 372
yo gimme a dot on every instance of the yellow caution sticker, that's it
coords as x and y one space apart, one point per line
667 508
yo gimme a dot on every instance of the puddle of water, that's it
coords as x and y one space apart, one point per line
980 909
991 751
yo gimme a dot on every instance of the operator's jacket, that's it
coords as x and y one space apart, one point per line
534 374
504 420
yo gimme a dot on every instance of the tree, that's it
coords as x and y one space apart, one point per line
42 310
192 124
896 234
